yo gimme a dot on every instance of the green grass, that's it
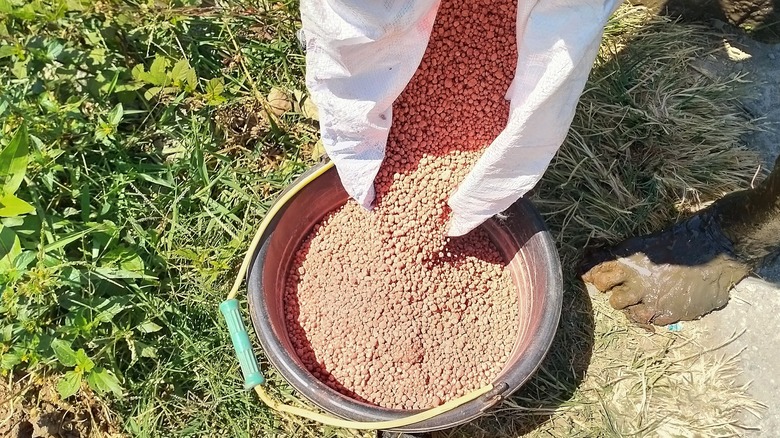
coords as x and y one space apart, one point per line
147 180
145 158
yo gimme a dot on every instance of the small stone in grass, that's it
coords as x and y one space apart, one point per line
278 101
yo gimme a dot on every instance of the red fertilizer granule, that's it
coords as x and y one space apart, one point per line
380 305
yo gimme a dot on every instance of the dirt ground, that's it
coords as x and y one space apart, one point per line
752 312
35 410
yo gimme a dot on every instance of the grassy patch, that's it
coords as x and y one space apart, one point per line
150 158
151 149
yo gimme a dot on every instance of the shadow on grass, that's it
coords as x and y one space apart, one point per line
760 18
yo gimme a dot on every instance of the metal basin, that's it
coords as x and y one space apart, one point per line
520 236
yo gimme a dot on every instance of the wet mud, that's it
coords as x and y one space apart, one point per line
685 272
750 219
677 274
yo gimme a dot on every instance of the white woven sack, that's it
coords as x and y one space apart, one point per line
360 54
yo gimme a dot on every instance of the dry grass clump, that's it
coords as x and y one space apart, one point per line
651 140
651 137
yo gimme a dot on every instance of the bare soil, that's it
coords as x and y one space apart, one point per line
35 410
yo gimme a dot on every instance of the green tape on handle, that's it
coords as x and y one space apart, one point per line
240 338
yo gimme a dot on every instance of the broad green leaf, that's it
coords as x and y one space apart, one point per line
53 49
25 226
110 307
214 89
115 116
63 352
9 360
102 381
11 206
69 384
24 259
83 361
192 80
157 72
98 56
10 248
114 256
128 86
71 277
94 38
102 131
151 92
149 327
26 12
13 161
6 51
155 76
183 76
77 320
179 72
124 258
146 350
215 86
12 221
75 5
49 102
20 69
133 264
138 72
